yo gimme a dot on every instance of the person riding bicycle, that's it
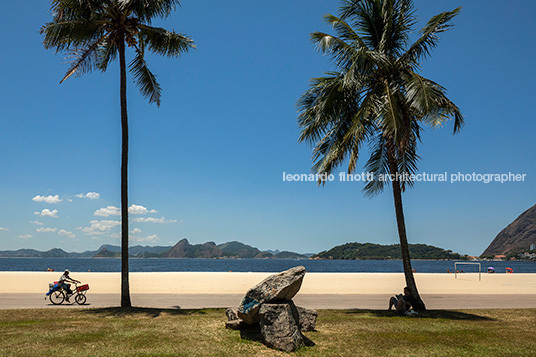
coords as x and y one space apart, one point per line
62 283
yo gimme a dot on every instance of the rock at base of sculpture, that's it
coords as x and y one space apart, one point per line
277 287
307 318
279 325
237 325
232 314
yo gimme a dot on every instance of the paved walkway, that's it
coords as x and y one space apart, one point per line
315 301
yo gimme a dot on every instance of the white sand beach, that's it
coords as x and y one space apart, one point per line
319 290
239 283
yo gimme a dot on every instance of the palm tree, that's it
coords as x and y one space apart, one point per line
95 32
377 97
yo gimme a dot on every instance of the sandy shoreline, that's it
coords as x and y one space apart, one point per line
313 284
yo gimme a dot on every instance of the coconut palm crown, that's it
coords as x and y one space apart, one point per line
376 97
96 32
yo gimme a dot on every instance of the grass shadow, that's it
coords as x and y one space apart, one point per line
430 314
143 311
253 333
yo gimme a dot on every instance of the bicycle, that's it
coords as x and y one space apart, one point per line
58 295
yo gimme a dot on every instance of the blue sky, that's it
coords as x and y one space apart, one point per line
207 165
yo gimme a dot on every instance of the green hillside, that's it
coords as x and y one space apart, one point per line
369 251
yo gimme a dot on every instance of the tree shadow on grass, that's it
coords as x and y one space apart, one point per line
144 311
430 314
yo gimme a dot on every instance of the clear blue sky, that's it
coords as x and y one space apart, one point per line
210 159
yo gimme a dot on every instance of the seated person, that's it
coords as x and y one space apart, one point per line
402 303
62 283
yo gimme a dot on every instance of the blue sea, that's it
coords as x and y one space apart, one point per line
250 265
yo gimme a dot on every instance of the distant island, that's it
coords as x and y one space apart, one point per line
371 251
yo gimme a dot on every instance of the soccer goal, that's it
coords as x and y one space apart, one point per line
464 263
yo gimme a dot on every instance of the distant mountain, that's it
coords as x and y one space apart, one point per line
21 253
241 250
264 255
56 253
32 253
183 249
135 250
369 251
516 237
105 253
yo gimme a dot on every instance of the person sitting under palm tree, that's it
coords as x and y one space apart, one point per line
403 303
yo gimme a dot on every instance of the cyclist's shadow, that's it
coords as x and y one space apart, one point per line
69 304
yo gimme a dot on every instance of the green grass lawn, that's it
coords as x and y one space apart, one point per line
138 331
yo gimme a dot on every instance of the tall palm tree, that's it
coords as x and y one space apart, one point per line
95 32
377 97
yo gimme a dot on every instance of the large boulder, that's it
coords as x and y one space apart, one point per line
278 287
307 318
279 325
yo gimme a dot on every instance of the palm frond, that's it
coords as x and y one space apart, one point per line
430 99
145 79
402 23
366 17
333 117
146 10
345 31
331 150
389 117
76 9
429 37
320 106
164 42
85 60
377 165
346 56
67 34
108 53
407 158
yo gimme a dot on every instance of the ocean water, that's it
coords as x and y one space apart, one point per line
250 265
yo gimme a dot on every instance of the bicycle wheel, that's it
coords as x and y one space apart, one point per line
80 299
56 297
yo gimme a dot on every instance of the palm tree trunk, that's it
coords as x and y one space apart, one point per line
125 287
401 224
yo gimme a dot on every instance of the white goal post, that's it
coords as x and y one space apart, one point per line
479 269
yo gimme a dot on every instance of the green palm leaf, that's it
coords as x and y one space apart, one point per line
85 60
429 37
145 79
164 42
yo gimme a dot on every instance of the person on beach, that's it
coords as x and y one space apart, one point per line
403 303
62 283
